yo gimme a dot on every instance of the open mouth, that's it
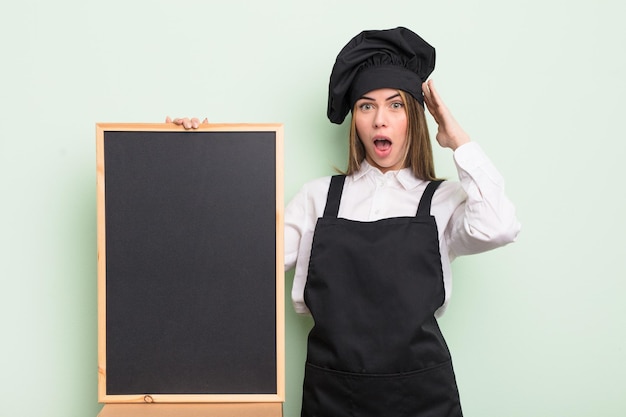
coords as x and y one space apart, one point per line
382 144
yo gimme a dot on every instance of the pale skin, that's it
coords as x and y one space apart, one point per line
378 113
187 122
449 132
381 124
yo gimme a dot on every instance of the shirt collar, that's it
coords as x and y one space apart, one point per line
403 176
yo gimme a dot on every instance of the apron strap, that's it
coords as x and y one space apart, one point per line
334 196
336 188
424 207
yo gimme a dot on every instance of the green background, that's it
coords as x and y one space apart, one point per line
537 328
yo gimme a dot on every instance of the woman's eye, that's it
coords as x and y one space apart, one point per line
397 105
366 106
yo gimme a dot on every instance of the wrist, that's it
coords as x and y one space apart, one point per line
458 142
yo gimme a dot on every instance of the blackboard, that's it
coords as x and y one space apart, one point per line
190 275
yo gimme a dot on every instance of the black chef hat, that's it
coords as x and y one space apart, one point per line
393 58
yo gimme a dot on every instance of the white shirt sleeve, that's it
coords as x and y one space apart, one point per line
486 219
301 215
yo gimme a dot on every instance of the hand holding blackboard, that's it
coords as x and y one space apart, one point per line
186 122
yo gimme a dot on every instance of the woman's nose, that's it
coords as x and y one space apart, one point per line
380 119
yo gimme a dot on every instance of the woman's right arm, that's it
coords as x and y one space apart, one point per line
187 122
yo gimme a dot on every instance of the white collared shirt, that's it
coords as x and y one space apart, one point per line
473 215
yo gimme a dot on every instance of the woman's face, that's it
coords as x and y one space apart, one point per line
381 125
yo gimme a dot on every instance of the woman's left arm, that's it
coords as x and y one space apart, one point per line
449 132
485 218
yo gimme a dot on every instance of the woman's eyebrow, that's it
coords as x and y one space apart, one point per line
387 99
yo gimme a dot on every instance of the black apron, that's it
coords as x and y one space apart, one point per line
375 349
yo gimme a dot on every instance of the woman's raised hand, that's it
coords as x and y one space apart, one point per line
186 122
449 132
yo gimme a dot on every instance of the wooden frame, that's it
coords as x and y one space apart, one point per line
197 398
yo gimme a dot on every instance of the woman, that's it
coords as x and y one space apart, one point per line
372 248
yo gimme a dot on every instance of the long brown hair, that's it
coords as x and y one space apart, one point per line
419 155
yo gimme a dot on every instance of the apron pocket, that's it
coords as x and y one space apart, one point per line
430 392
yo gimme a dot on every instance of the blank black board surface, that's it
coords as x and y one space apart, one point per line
191 263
